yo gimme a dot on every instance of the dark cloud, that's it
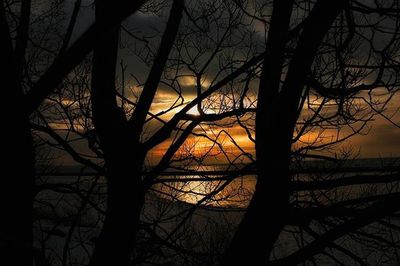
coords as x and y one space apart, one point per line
381 140
85 16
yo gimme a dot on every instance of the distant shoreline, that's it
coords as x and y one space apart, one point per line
308 167
239 172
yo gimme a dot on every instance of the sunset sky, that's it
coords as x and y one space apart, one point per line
379 139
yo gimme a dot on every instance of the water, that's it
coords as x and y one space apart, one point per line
228 186
211 223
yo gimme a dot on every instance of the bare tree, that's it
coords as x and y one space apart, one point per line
119 140
327 69
119 120
15 30
292 69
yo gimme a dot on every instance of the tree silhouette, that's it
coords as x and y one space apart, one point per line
114 124
297 78
120 141
17 228
289 74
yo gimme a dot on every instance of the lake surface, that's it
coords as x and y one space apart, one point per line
215 218
229 186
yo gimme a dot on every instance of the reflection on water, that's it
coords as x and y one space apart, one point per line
223 186
232 192
208 185
212 227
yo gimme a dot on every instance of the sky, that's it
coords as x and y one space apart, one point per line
378 139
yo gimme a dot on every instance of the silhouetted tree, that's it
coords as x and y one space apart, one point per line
114 125
120 141
311 48
17 199
326 66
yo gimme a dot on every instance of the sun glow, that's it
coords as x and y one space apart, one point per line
193 111
192 81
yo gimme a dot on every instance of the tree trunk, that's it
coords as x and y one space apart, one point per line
255 236
17 194
266 214
277 113
125 198
16 200
122 154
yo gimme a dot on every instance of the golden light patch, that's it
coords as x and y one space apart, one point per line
193 111
67 102
192 81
